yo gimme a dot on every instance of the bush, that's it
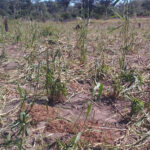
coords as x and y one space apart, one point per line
65 16
49 31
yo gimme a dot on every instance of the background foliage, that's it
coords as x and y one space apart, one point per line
69 9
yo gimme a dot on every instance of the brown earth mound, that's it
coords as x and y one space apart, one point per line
91 130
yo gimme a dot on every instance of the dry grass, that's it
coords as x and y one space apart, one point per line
29 47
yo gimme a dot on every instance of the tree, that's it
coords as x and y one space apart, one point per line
14 7
64 3
88 7
25 6
85 7
61 9
4 9
52 7
106 4
40 11
146 5
98 11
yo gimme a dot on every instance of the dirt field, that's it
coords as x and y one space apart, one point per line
115 120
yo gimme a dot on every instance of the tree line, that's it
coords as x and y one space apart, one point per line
70 9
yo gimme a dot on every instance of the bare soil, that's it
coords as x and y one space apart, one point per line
106 123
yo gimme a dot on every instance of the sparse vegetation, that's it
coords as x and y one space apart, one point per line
82 84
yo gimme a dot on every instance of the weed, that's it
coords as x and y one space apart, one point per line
56 89
2 34
72 145
3 54
21 125
81 41
101 70
136 105
117 87
99 88
49 31
127 76
101 46
18 34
